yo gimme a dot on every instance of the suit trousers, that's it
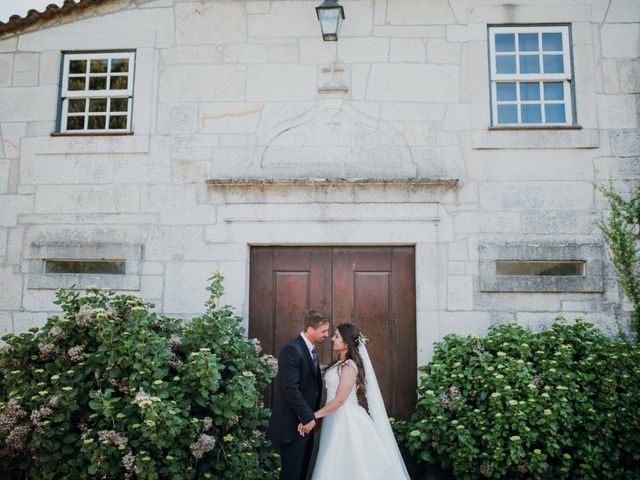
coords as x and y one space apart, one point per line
295 458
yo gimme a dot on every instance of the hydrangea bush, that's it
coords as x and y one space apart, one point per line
560 404
111 390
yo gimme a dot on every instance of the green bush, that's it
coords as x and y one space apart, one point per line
111 390
560 404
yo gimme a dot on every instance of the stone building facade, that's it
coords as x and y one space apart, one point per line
241 128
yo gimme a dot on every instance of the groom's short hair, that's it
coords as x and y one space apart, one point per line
314 319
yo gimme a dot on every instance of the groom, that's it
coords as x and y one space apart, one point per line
297 397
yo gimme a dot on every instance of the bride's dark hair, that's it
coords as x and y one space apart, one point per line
351 338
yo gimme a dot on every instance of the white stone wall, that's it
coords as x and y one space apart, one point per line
232 89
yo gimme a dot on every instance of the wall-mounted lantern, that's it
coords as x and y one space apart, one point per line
330 15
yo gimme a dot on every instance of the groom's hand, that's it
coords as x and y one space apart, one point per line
304 429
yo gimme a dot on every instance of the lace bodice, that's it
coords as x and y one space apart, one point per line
332 379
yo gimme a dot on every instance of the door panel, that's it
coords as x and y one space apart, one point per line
373 287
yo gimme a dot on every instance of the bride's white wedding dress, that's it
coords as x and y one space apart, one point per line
353 445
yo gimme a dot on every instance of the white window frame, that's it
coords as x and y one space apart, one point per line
566 78
87 94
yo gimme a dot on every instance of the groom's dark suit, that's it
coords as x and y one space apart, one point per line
297 397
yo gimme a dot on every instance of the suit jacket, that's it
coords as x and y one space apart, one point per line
297 394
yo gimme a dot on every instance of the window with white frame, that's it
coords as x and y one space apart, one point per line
531 75
97 92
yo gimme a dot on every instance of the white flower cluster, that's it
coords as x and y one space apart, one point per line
204 444
144 400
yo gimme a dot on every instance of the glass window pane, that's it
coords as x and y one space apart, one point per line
506 64
118 122
119 83
97 122
530 91
98 105
111 267
76 83
98 66
553 64
119 65
506 91
531 114
528 42
507 114
98 83
505 42
545 268
554 113
75 123
119 104
529 64
553 91
552 42
77 66
76 105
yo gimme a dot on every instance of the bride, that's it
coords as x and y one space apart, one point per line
357 442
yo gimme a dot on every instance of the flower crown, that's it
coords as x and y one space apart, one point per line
362 340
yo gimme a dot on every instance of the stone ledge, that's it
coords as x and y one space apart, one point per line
322 182
527 138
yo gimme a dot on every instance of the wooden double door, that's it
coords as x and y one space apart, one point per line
373 287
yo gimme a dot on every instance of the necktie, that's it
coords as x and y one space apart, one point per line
314 356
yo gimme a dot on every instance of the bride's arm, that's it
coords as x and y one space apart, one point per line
347 381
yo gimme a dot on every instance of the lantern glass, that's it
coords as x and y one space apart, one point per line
330 17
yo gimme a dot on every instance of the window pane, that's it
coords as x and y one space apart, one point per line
77 83
118 122
119 104
97 122
506 64
530 91
553 91
544 268
119 83
77 66
75 123
505 42
506 91
98 83
528 42
529 64
112 267
119 65
76 105
98 105
98 66
554 113
507 114
531 114
553 64
552 41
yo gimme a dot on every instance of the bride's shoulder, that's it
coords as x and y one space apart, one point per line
349 363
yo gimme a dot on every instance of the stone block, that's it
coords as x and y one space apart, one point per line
620 40
463 323
618 168
26 62
457 118
530 165
457 33
315 50
193 54
9 45
630 76
6 69
177 118
5 173
419 112
379 12
6 325
284 53
518 302
185 290
28 104
568 222
151 286
177 243
617 111
86 199
258 7
40 300
49 69
623 11
625 143
407 50
360 23
198 83
210 23
25 79
277 22
23 321
4 234
363 50
610 80
531 139
12 134
281 82
359 81
12 206
177 205
416 12
442 51
429 83
245 53
229 117
529 196
10 287
396 31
